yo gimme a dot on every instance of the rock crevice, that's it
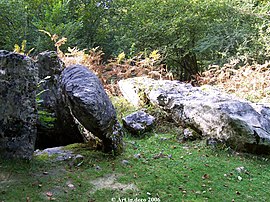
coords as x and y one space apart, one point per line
43 104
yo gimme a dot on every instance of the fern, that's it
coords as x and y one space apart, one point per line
57 43
21 49
121 57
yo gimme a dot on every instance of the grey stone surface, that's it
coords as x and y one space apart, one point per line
91 106
18 112
59 152
240 124
50 68
138 122
56 126
130 92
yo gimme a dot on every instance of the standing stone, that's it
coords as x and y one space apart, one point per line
91 106
18 113
56 126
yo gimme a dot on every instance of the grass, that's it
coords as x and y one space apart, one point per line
185 172
157 167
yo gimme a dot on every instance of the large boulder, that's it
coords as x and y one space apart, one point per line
18 111
91 106
238 123
56 125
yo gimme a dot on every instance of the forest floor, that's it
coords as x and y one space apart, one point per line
157 167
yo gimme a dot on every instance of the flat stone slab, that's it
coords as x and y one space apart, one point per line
242 125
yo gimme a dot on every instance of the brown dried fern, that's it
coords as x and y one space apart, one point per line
250 82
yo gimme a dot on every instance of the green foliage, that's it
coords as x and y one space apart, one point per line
14 23
22 49
212 31
46 119
190 34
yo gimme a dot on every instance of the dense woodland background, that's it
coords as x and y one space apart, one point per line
189 34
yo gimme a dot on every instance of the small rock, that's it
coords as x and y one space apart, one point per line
240 169
160 155
49 194
125 162
212 142
137 156
138 122
71 186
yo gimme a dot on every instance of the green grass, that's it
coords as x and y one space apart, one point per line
158 168
193 173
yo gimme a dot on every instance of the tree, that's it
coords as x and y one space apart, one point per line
187 31
191 34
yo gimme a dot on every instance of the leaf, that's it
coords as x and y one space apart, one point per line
121 57
30 51
154 55
205 176
17 48
60 42
43 31
54 37
23 46
239 178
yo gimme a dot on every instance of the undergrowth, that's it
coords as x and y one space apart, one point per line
251 82
118 68
148 64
